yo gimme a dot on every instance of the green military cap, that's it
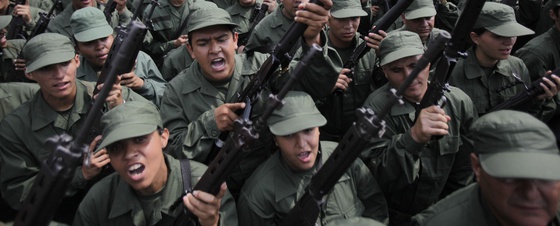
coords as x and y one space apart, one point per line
298 113
207 15
419 9
5 20
47 49
399 44
500 19
355 221
127 120
89 24
347 8
513 144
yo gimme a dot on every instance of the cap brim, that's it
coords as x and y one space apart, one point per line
296 124
125 132
511 29
210 23
420 13
5 20
53 58
347 13
93 34
401 53
533 165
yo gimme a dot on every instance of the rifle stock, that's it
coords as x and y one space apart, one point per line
240 142
520 100
307 209
15 28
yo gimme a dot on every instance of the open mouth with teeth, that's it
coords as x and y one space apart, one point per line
304 156
218 63
135 171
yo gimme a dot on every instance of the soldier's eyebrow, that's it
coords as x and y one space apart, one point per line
206 39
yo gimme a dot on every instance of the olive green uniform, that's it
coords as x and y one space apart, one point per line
463 208
272 191
224 4
270 30
61 23
413 175
113 202
176 61
167 20
340 109
9 54
22 140
145 68
13 94
488 90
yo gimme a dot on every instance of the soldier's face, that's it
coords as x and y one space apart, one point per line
421 26
78 4
492 47
247 3
140 162
518 201
57 81
398 70
299 150
343 30
4 4
291 6
96 51
214 48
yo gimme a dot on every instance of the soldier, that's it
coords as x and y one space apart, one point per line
10 51
241 12
148 181
29 14
61 23
419 18
354 84
94 37
60 106
274 188
413 169
196 105
489 74
540 57
516 163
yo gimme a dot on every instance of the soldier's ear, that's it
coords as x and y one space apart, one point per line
475 163
189 48
474 38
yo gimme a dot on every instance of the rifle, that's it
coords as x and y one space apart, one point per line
245 133
368 125
259 12
280 57
44 20
110 7
139 31
57 171
520 100
454 49
15 29
360 51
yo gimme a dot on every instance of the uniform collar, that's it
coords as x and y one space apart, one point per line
47 115
473 69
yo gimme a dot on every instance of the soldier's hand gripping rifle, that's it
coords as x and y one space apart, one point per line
522 101
245 133
307 209
383 24
110 7
454 49
15 28
58 170
259 12
280 57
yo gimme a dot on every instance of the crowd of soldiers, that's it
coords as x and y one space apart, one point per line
459 162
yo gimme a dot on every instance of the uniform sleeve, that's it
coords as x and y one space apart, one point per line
186 134
18 166
370 193
320 75
154 84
